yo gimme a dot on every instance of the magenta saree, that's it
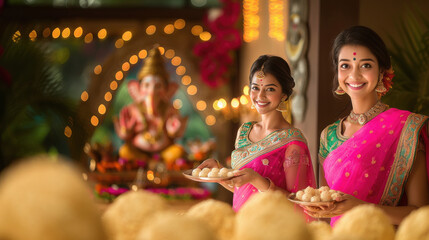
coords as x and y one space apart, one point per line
374 164
282 156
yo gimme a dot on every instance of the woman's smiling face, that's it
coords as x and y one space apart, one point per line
265 93
358 71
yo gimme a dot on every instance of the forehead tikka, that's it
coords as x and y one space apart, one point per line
260 75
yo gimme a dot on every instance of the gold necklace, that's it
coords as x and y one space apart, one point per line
363 118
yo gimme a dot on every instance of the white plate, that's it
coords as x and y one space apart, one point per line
292 198
188 174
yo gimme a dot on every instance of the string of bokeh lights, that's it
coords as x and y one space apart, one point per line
186 80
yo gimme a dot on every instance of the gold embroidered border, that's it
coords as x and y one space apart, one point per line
404 158
250 155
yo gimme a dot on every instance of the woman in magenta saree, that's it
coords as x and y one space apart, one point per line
269 154
375 163
379 156
282 157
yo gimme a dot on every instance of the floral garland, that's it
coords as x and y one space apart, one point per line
216 54
387 80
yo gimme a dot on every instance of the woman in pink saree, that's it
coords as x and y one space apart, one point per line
270 154
377 154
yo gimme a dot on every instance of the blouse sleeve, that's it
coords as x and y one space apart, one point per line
298 168
323 148
237 138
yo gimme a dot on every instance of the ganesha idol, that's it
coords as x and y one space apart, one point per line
150 124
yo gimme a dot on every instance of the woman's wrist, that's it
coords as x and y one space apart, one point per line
268 185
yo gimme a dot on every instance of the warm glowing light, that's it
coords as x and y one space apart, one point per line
250 20
78 32
92 164
119 43
157 180
126 36
201 105
244 100
142 54
192 90
169 29
32 35
108 96
88 38
84 96
97 69
210 120
176 61
16 36
102 109
119 75
246 90
177 104
276 21
134 59
215 105
67 131
94 120
235 103
46 32
150 30
180 70
205 36
56 33
221 103
102 34
125 67
161 50
196 30
113 85
179 24
186 80
169 53
150 175
66 33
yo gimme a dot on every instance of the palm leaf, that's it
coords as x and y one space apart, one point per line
34 109
409 55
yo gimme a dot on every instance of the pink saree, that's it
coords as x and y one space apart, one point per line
282 156
374 164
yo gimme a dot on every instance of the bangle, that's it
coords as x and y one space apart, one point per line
270 186
218 164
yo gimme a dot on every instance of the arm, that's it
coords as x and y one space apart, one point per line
416 190
297 167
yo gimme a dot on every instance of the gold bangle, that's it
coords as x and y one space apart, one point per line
218 164
270 186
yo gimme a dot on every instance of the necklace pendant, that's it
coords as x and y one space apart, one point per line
362 119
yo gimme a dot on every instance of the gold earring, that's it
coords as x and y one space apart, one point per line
283 106
340 91
380 87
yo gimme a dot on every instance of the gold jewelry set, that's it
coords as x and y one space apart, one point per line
363 118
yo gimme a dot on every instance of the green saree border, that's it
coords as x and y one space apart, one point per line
404 159
246 154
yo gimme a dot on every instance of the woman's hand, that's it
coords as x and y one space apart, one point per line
210 163
248 175
342 204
